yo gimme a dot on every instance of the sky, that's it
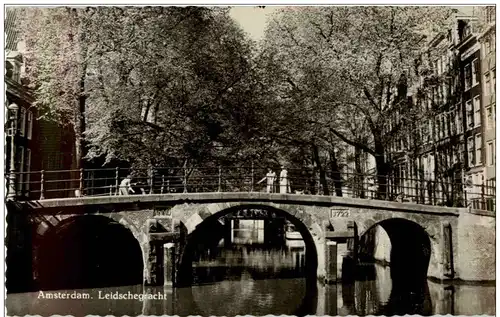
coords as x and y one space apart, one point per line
252 19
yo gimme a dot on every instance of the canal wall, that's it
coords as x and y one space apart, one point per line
476 247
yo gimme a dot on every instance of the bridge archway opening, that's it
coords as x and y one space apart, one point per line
86 252
410 247
409 257
211 231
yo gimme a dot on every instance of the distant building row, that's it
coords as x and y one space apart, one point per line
452 138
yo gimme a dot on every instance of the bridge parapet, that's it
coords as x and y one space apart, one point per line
108 182
150 200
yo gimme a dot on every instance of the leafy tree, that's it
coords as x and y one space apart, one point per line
56 60
361 57
150 86
182 99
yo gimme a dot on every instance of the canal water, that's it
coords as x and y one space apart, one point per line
248 280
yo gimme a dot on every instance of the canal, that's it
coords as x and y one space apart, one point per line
248 279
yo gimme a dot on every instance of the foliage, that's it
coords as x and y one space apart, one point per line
162 85
183 86
348 65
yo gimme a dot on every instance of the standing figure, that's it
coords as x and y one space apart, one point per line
125 186
284 184
270 177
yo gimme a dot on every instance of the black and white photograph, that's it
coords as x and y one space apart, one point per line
249 159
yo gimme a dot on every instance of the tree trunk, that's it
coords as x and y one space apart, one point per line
335 174
360 178
322 173
382 171
80 122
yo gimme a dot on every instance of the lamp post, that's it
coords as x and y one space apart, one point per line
13 108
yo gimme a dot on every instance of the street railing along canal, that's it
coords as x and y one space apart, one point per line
428 190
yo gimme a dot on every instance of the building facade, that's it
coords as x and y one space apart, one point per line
487 41
447 157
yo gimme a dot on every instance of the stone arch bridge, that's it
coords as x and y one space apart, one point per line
153 234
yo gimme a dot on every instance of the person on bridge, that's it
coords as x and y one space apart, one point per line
125 186
284 184
270 177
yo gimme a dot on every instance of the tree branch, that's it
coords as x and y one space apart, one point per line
359 145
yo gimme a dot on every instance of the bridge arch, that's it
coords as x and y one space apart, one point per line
411 248
88 251
303 223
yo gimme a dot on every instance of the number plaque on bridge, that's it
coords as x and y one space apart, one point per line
339 212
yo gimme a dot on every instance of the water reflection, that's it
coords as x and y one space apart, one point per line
259 282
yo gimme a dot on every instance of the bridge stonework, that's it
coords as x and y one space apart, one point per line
462 244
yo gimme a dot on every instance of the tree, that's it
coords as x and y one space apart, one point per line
362 57
56 58
150 86
181 92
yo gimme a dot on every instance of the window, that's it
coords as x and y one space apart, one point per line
468 76
29 131
431 132
489 117
469 118
453 121
470 151
487 84
475 72
9 70
459 120
494 81
490 14
446 120
479 156
477 111
22 121
490 152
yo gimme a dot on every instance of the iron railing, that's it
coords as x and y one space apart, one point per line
161 180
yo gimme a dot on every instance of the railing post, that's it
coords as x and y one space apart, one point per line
185 180
465 199
42 184
220 179
151 179
110 190
251 186
316 178
162 183
483 201
117 180
168 186
81 182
